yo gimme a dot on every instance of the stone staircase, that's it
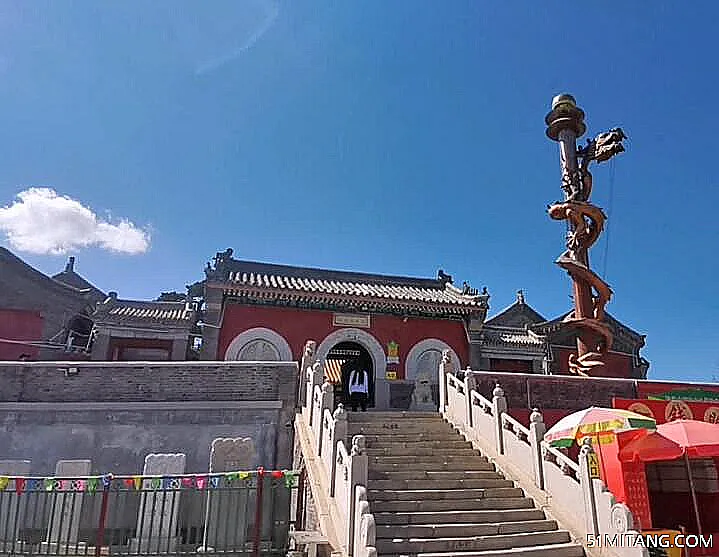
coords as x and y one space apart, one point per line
432 494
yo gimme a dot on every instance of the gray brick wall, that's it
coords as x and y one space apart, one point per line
115 413
143 382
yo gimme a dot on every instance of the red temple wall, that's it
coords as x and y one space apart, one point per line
506 364
297 326
19 325
117 346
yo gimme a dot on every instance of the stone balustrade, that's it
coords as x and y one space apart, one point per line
344 468
567 490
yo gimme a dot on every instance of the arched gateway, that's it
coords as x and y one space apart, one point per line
340 348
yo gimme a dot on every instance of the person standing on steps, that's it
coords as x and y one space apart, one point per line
358 386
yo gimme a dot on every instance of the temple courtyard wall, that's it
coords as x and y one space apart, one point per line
559 395
115 413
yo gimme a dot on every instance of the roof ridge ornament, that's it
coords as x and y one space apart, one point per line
444 278
520 297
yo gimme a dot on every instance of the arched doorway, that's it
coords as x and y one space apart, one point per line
259 345
340 361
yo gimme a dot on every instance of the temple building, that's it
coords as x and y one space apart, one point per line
127 330
396 326
65 317
40 316
519 339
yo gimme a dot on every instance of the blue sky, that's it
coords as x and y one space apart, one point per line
390 137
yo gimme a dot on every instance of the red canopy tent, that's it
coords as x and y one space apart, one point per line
680 438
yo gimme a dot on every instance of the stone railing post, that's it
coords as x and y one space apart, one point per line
470 384
537 429
308 359
325 402
587 457
359 465
315 377
499 407
445 367
365 527
339 434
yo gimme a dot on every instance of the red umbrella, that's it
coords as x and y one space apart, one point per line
672 440
688 438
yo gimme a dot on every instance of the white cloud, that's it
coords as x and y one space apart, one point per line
42 222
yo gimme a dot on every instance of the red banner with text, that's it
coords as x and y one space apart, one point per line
678 391
669 410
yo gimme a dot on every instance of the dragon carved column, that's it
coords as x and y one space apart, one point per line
565 124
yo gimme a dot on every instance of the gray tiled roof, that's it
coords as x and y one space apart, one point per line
134 310
514 337
439 295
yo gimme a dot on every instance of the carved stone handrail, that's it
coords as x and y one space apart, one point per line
551 454
478 400
510 424
344 467
564 487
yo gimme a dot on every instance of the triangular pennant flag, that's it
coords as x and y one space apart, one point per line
80 485
137 482
34 485
19 485
3 482
277 474
290 478
244 475
49 484
155 483
129 483
214 481
91 485
201 482
65 485
107 481
187 481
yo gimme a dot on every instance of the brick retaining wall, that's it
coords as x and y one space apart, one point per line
115 413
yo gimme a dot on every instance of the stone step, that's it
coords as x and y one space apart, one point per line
400 429
431 466
481 483
424 460
455 494
403 437
487 473
419 451
477 543
435 505
393 416
440 444
466 529
554 550
397 519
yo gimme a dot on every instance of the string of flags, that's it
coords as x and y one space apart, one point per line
107 482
